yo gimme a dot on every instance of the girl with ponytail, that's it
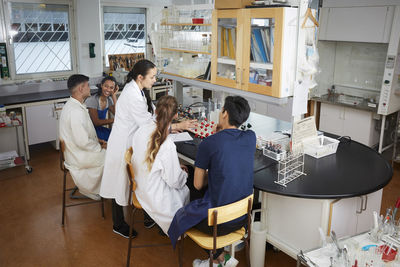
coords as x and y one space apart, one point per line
160 179
133 109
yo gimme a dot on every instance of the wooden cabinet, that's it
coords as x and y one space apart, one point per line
357 24
255 50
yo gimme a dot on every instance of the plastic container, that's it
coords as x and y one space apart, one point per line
273 155
320 146
197 20
258 241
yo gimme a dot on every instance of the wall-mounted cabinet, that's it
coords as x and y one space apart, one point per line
255 50
357 24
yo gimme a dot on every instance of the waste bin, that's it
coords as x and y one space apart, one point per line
258 241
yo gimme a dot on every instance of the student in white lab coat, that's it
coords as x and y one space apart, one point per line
84 155
133 109
161 188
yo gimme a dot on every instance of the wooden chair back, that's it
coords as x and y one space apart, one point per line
230 212
131 176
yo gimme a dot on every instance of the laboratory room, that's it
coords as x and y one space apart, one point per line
200 133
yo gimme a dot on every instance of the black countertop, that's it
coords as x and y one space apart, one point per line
354 170
44 96
36 97
334 100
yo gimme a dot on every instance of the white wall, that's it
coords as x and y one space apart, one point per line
88 30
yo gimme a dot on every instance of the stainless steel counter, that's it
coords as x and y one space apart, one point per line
346 101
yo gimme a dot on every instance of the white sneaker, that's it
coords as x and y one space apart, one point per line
204 263
230 261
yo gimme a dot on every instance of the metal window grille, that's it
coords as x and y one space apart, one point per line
41 38
124 31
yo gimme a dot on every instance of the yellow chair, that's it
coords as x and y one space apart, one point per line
73 189
133 201
217 216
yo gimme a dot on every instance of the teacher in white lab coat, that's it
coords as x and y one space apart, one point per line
133 109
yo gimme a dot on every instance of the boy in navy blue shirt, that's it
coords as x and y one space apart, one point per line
228 156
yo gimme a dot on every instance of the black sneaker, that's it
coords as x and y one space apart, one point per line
148 221
124 231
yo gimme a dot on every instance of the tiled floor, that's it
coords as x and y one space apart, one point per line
31 233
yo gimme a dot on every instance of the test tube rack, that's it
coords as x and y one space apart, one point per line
290 168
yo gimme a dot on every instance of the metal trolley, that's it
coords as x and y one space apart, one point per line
16 124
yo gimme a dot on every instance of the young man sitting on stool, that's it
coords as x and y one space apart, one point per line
228 156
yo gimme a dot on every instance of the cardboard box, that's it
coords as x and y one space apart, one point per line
227 4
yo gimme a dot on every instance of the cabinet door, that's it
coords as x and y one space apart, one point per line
41 124
344 217
331 119
267 52
227 45
359 125
372 202
357 24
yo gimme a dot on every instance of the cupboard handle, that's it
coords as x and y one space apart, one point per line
237 72
361 206
241 77
366 201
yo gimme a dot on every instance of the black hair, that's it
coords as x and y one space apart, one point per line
107 78
142 67
75 80
238 110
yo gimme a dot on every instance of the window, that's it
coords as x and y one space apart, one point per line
40 38
124 31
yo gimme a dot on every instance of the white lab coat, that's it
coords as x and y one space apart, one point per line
163 190
84 157
130 113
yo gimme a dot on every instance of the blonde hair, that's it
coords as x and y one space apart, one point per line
166 108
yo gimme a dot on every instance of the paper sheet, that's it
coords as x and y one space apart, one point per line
180 137
303 129
300 98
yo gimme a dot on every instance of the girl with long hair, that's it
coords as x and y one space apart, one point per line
161 180
134 109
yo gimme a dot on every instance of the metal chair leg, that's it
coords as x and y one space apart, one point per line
63 199
247 252
130 238
180 251
102 207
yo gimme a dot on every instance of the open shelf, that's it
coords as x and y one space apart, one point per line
183 24
256 65
186 51
227 61
177 75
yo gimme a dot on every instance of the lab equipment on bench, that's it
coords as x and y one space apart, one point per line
320 146
290 168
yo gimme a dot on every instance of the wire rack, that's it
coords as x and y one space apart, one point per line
290 168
